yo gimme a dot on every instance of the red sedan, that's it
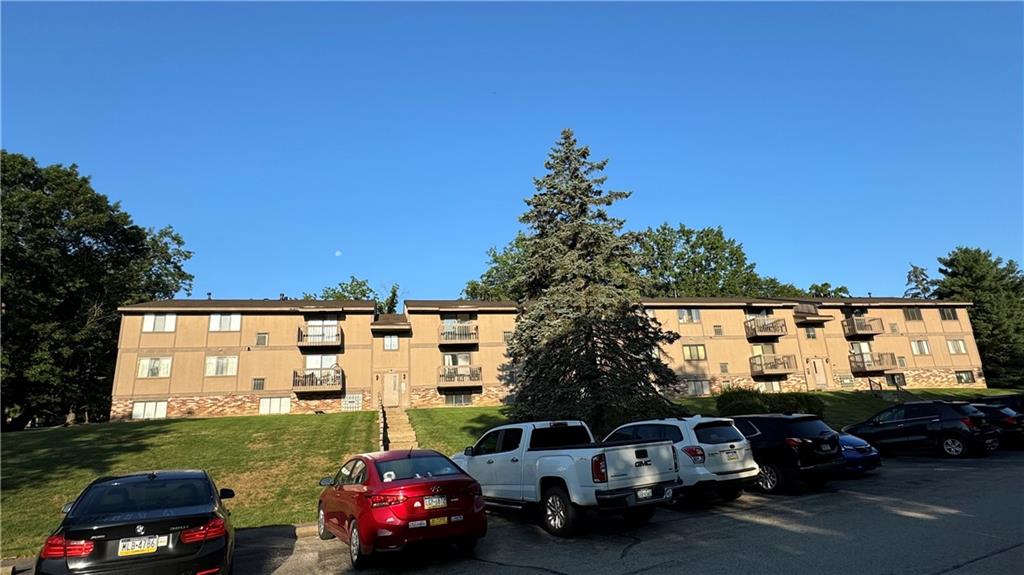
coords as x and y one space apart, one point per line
385 501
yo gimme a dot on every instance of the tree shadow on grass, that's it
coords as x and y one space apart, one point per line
481 423
29 457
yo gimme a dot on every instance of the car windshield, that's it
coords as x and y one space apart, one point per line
416 468
118 497
810 428
717 432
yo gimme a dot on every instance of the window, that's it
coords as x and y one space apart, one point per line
654 432
847 381
698 387
221 365
762 349
416 468
148 498
358 472
460 358
912 314
860 347
688 315
956 346
894 328
457 399
694 352
149 410
274 405
920 347
723 367
262 339
894 414
769 387
947 313
965 377
154 367
510 440
258 383
506 336
717 432
895 380
719 330
747 428
901 361
919 410
559 436
158 322
391 343
225 322
322 329
488 444
811 332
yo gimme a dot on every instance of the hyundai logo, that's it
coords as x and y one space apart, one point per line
140 529
435 489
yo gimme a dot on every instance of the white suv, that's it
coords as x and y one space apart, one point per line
713 454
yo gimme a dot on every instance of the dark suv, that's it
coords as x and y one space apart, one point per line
790 448
954 427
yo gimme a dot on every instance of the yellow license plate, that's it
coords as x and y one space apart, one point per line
137 546
438 521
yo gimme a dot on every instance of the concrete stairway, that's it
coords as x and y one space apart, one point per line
400 431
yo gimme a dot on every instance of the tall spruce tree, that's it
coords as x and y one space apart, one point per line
583 347
918 283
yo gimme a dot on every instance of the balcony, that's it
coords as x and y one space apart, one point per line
867 362
862 326
765 327
772 364
459 376
458 333
317 380
319 336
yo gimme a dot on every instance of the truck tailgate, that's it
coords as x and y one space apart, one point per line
640 464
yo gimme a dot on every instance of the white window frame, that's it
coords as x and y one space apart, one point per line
698 387
688 315
390 343
956 346
275 405
920 347
149 409
317 362
158 322
146 367
233 322
458 399
701 355
221 365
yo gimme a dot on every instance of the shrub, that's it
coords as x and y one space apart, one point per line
740 401
795 403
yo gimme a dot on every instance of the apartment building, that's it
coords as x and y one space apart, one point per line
238 357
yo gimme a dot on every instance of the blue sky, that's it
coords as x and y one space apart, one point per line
837 142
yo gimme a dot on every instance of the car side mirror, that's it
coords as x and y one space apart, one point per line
468 452
227 493
327 482
66 507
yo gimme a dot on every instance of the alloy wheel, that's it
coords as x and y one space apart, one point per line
353 544
555 512
320 521
953 446
768 479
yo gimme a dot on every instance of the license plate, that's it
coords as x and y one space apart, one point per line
435 502
732 456
644 493
438 521
137 546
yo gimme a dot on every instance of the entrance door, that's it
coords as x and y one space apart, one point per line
391 391
818 373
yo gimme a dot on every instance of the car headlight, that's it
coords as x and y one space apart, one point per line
846 447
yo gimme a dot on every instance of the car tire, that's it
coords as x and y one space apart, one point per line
557 513
771 479
321 524
639 515
953 446
730 494
356 556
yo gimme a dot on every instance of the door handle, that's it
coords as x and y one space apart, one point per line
899 425
490 461
514 460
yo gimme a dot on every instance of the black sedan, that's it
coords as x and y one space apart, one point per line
1009 423
161 522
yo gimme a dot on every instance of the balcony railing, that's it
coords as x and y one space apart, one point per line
326 379
853 326
459 374
864 362
765 327
319 335
464 332
772 364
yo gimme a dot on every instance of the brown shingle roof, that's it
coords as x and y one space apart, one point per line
457 305
186 305
876 301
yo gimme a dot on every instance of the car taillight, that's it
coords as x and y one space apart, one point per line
968 422
695 452
675 460
56 547
1012 420
794 442
599 468
212 529
382 500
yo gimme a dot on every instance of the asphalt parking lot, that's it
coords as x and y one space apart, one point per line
916 515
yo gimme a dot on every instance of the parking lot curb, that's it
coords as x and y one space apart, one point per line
306 530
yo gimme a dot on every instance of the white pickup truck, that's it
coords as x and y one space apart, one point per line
558 465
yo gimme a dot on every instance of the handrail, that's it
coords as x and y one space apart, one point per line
385 440
326 335
463 332
459 373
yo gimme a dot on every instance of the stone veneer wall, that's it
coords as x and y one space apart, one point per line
430 397
229 405
916 379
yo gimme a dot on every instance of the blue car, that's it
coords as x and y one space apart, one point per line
859 455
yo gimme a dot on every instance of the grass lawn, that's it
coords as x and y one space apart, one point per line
272 462
451 429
